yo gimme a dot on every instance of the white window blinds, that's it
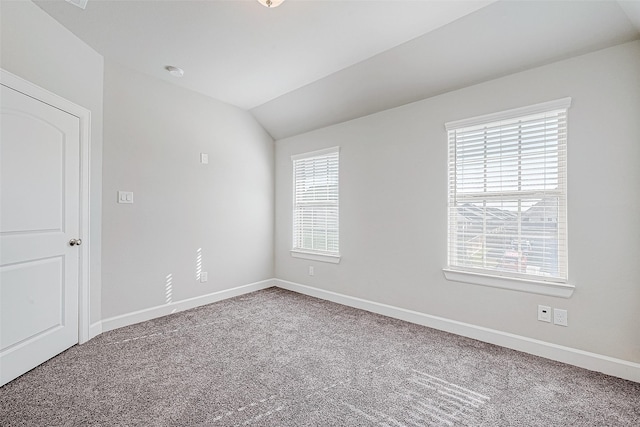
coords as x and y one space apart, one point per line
315 202
508 193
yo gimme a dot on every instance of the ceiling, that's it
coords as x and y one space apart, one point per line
313 63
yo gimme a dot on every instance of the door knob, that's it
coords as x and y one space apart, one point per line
75 242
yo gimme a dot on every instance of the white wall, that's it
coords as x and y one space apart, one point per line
38 49
393 205
154 134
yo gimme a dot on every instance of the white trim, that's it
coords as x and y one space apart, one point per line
558 104
515 284
186 304
316 153
300 230
95 329
583 359
313 256
475 129
84 296
84 116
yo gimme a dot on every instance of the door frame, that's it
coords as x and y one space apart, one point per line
84 289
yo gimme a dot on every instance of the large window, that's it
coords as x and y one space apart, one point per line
508 193
315 205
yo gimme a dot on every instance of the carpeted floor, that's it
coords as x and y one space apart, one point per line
277 358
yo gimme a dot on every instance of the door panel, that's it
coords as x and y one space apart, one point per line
39 199
39 286
44 154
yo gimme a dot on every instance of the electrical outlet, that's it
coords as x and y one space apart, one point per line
560 317
544 313
311 272
204 276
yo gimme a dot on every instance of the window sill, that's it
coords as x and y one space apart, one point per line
531 286
313 256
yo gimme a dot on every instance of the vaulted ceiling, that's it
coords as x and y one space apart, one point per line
309 64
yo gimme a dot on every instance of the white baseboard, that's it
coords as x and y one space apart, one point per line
583 359
175 307
95 329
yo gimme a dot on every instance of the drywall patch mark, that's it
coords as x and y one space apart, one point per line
198 263
168 289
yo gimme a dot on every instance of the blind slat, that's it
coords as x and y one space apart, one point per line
507 196
315 212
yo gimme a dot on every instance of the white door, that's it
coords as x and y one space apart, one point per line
39 216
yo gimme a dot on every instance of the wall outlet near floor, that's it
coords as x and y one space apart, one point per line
311 271
560 317
544 313
204 276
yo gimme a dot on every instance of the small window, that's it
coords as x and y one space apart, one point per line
315 205
508 193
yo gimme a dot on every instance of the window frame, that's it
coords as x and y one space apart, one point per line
306 253
553 286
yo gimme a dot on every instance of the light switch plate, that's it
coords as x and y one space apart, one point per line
204 158
125 196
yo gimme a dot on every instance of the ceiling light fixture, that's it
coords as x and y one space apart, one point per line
270 3
82 4
174 71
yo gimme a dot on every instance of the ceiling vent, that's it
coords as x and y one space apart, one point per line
80 3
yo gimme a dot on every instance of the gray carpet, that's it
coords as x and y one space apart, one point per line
277 358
